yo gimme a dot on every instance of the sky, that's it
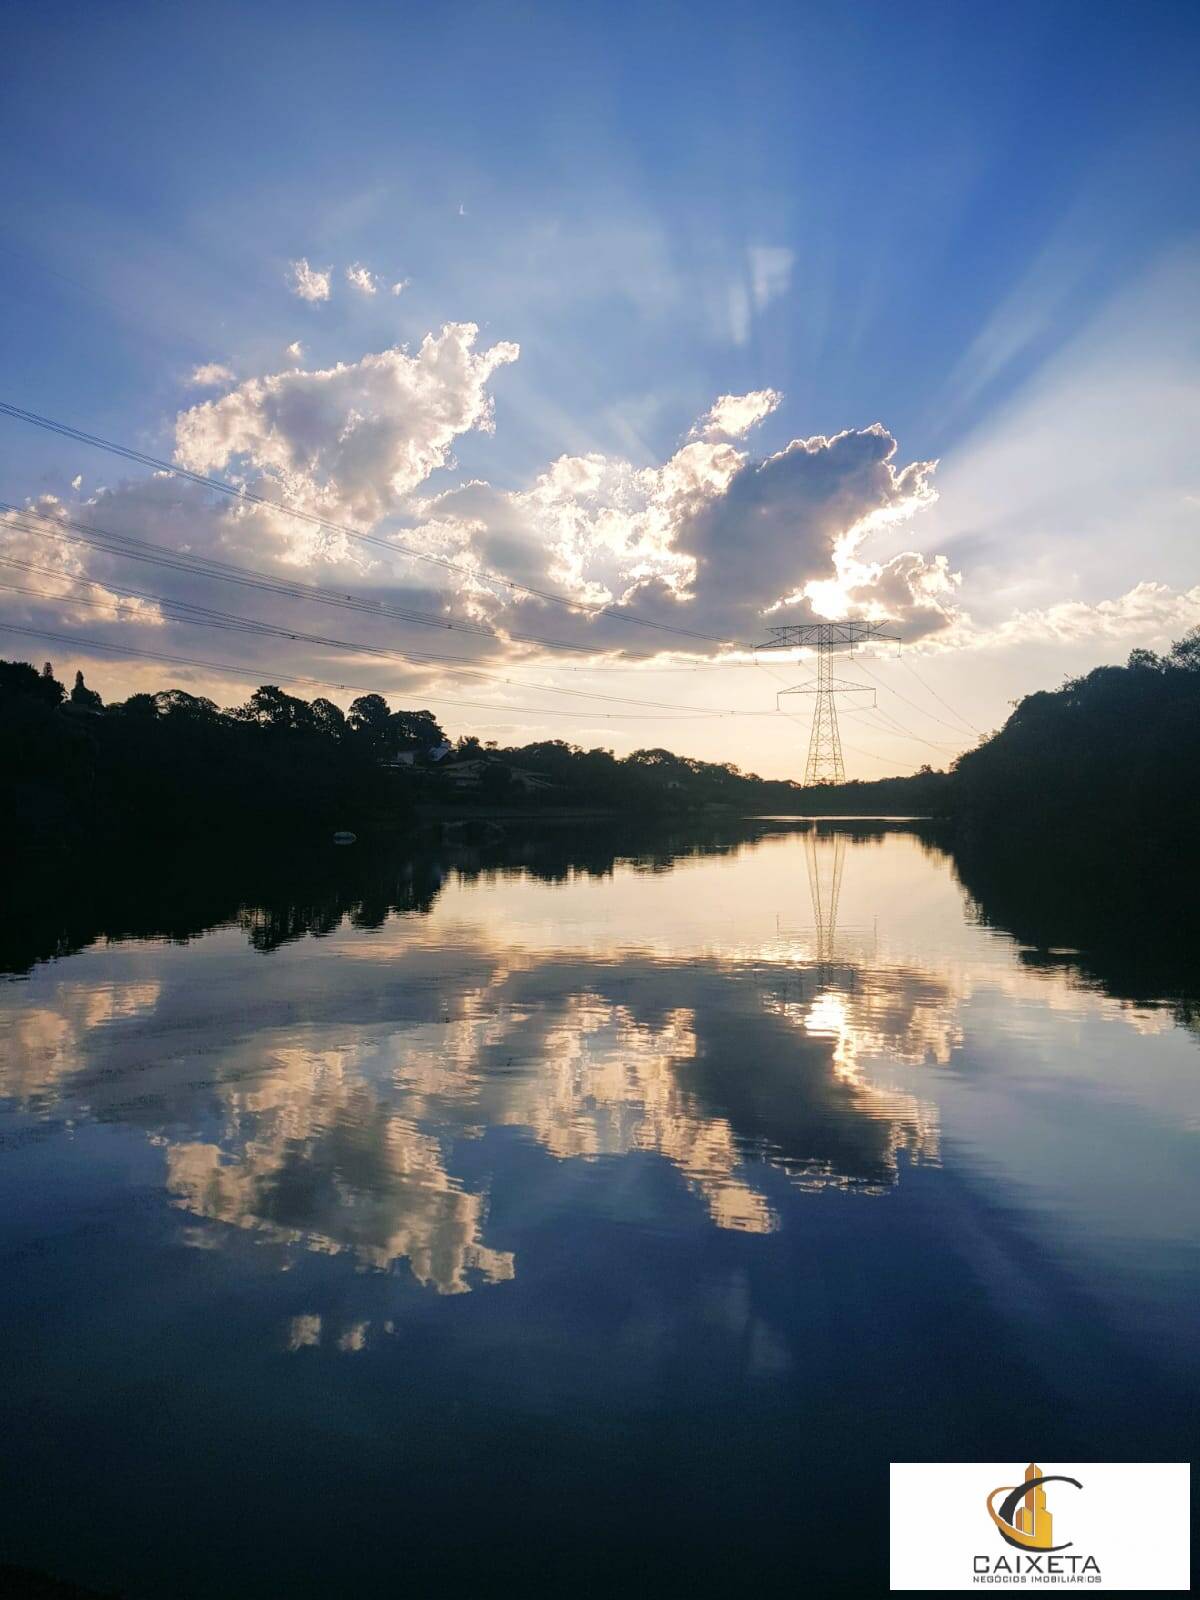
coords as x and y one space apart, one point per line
569 349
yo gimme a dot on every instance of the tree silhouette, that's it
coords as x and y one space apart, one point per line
414 730
329 718
368 719
83 697
270 707
19 678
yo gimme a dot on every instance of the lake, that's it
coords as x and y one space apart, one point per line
595 1208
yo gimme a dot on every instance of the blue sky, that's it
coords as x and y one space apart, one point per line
976 226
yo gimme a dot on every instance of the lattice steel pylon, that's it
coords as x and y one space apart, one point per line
824 763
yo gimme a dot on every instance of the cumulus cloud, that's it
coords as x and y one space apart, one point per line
1148 613
171 513
400 285
209 375
788 526
733 415
350 441
42 572
712 541
295 349
309 283
362 278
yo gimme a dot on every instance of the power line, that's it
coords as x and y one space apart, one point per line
75 642
392 546
897 728
893 725
127 547
141 550
929 689
206 616
230 621
858 751
921 709
132 548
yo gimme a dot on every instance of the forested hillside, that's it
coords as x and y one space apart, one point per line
1111 760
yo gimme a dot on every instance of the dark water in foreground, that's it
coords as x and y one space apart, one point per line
582 1216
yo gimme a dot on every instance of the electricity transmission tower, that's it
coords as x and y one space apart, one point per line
825 742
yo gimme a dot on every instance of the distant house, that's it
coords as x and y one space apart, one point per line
468 775
418 758
530 782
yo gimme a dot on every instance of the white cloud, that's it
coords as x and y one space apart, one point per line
52 572
77 480
210 375
309 283
295 350
362 278
734 415
711 540
350 441
1149 613
400 285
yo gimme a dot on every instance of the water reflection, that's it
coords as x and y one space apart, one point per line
327 1119
719 1069
726 1160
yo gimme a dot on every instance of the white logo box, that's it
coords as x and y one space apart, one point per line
1127 1527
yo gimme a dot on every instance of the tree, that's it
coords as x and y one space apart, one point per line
1144 660
179 703
414 730
142 706
270 707
83 697
329 718
20 678
369 717
664 761
1185 652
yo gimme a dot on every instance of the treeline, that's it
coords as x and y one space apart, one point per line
1108 763
1111 760
77 772
174 766
657 782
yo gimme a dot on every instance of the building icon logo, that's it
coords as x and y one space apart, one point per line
1022 1518
1135 1518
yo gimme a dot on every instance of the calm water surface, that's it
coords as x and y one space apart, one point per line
583 1214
